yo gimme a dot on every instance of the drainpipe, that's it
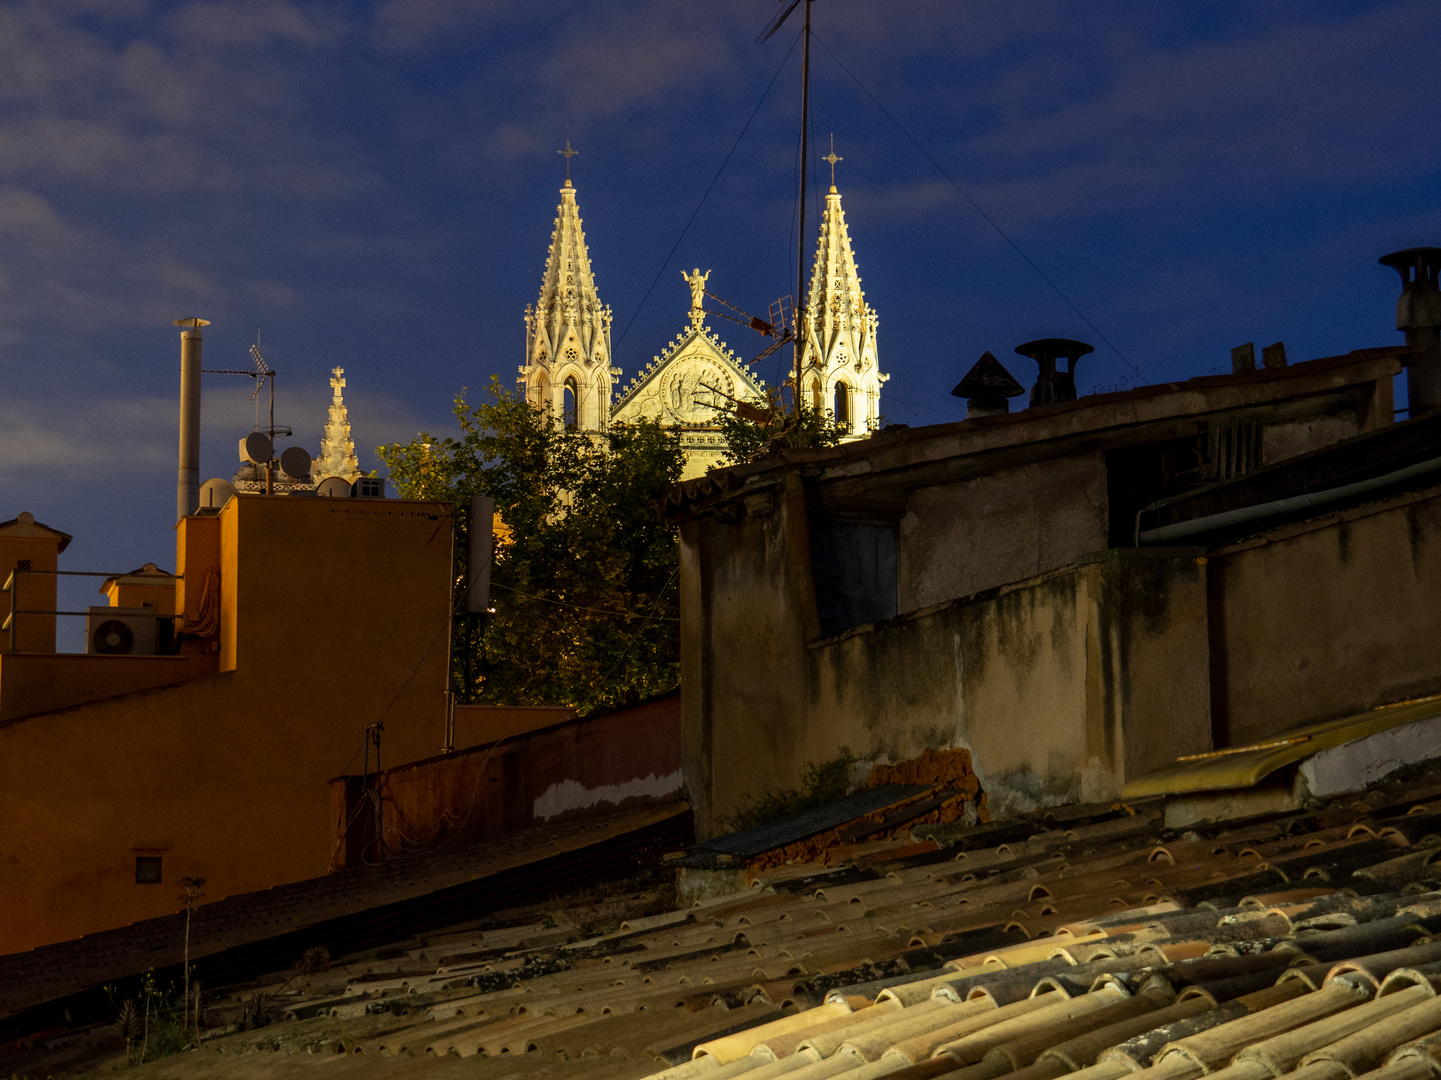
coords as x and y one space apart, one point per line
187 488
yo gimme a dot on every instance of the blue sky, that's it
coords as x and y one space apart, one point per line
373 186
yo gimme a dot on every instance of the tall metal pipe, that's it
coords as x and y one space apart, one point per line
187 487
1418 314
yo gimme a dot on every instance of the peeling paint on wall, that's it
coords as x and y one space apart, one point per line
570 795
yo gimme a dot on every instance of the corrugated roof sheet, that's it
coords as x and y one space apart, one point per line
1092 942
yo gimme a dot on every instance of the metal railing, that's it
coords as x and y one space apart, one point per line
11 586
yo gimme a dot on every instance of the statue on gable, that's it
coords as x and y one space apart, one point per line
696 280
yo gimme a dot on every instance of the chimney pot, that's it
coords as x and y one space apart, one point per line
986 387
1418 315
1274 356
1052 384
1243 358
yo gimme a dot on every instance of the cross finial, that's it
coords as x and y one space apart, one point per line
832 158
567 153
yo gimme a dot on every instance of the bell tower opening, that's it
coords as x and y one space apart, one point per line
570 396
843 406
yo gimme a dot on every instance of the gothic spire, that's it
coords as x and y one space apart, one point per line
839 366
568 330
337 448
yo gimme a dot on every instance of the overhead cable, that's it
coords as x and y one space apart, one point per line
709 188
977 207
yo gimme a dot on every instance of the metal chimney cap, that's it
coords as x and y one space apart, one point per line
1403 260
1054 348
191 323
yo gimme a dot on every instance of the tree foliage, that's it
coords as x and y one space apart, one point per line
584 601
752 431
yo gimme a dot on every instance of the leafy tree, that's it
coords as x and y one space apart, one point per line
584 602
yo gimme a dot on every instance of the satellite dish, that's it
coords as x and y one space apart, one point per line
256 448
216 493
333 487
295 463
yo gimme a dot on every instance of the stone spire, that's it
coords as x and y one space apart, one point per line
840 371
337 448
567 332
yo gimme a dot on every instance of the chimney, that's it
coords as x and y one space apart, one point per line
986 387
1052 384
1418 313
187 488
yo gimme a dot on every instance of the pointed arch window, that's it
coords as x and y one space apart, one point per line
570 397
818 397
842 407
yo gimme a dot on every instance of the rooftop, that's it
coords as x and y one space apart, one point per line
1086 937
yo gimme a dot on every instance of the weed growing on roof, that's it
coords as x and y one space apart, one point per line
188 899
820 784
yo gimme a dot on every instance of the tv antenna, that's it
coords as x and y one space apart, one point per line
765 35
255 447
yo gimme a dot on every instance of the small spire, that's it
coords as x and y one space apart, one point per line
337 447
832 158
567 153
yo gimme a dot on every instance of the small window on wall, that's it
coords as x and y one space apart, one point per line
843 406
147 870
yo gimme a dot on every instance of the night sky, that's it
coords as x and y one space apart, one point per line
372 185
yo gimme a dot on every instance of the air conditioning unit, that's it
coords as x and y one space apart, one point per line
122 631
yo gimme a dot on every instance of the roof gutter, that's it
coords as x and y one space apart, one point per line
1311 499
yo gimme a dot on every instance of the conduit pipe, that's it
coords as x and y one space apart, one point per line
1311 499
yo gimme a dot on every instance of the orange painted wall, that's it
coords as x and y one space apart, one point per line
333 618
37 592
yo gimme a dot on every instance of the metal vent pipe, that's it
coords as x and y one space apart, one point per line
1418 314
187 488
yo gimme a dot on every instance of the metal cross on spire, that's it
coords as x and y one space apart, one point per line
832 158
567 153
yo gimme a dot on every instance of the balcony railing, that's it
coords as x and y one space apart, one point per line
11 621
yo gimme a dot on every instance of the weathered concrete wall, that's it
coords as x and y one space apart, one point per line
958 539
747 610
1296 437
624 757
1326 619
1061 687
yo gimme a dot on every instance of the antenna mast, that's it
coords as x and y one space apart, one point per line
800 303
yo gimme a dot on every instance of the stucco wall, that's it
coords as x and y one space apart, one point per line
747 608
342 625
958 539
1061 687
1296 437
1334 618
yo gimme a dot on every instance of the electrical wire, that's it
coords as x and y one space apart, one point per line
616 347
574 607
977 207
655 606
